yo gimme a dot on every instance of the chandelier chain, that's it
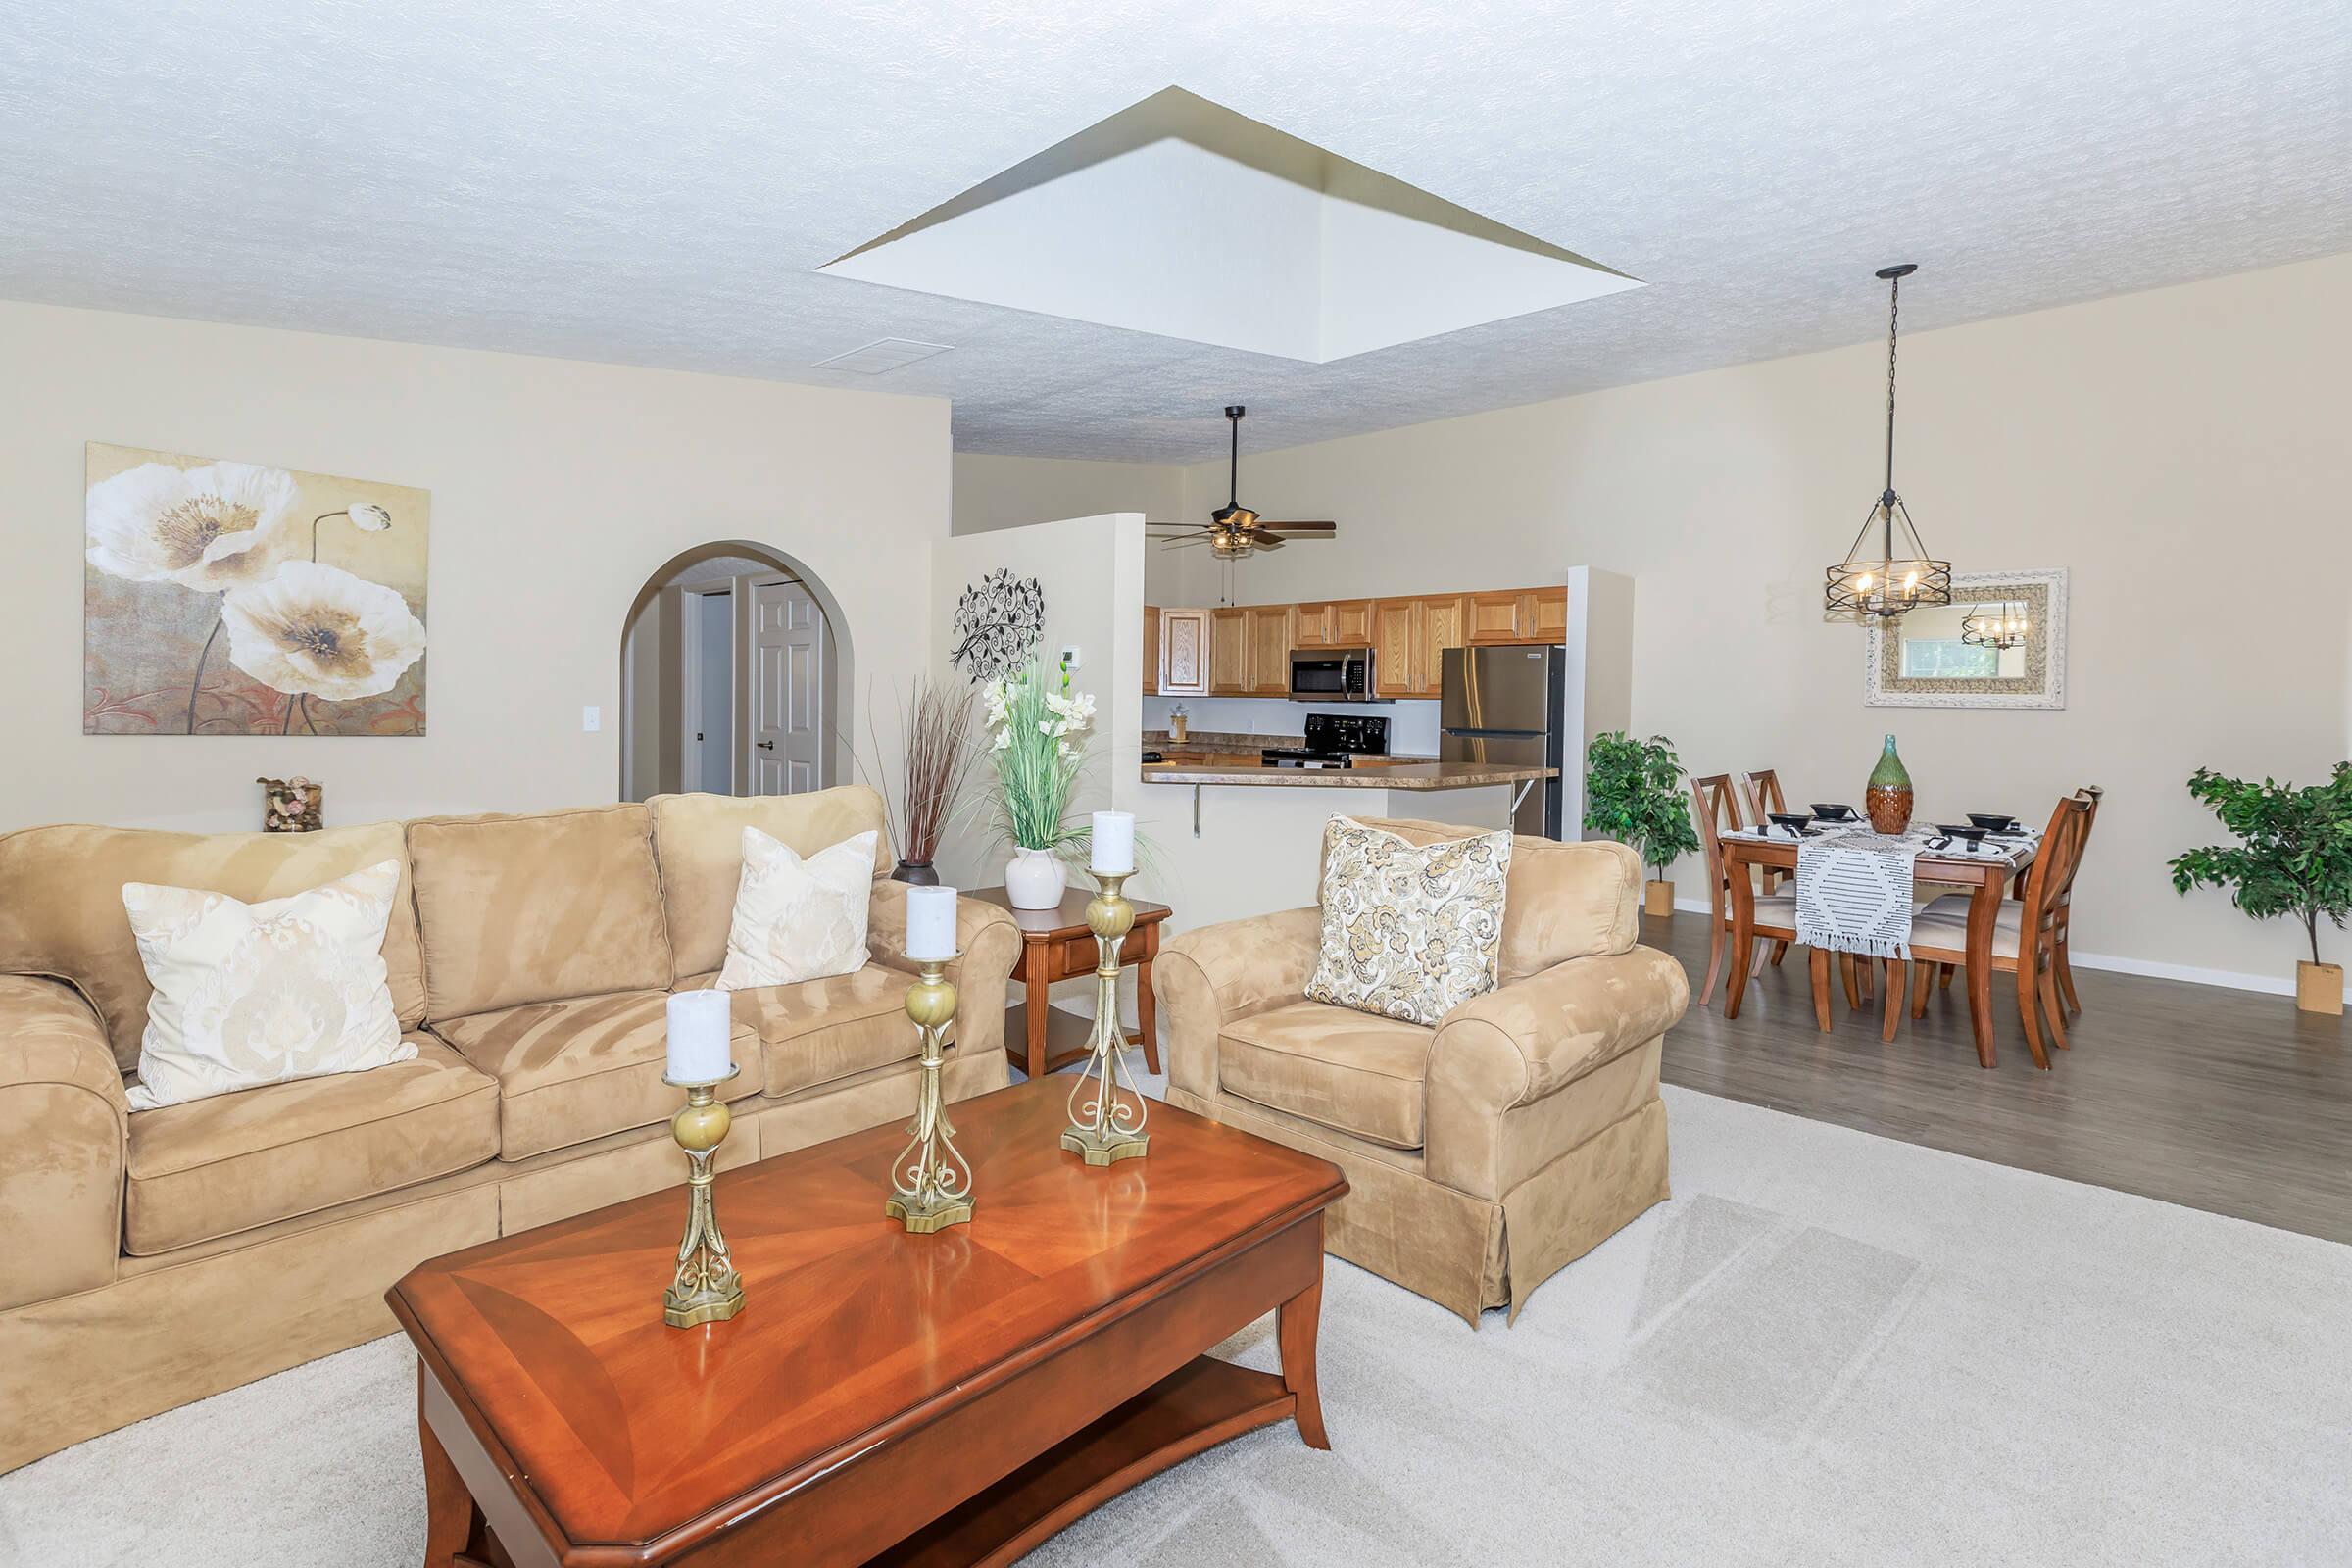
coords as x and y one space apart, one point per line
1894 304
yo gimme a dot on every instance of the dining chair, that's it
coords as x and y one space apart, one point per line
1761 790
2023 942
1717 809
2065 906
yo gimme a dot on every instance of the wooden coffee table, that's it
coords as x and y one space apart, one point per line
1055 945
882 1398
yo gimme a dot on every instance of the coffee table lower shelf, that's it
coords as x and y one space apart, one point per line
1203 1404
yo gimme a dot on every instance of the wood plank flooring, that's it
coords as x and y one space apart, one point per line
2225 1100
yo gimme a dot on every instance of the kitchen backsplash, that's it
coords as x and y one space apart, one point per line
1259 722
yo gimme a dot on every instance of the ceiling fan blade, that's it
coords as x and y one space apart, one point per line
1300 530
1179 544
1259 540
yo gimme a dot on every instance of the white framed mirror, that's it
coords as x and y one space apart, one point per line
2000 643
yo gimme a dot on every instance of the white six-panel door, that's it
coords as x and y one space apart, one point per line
788 689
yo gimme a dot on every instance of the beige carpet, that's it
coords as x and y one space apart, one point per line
1830 1348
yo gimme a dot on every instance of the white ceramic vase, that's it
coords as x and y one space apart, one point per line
1033 880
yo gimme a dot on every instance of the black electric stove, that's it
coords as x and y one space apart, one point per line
1333 740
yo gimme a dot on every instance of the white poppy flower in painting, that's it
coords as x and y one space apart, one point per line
206 529
369 517
320 631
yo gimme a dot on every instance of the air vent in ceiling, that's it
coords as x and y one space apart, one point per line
883 355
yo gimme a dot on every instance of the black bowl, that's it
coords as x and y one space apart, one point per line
1794 821
1830 811
1993 821
1974 835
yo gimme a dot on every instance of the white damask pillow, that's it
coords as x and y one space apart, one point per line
798 919
251 993
1409 931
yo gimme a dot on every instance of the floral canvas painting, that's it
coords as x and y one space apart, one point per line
231 599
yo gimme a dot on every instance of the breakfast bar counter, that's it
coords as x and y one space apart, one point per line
1366 775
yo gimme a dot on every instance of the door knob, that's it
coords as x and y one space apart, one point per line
765 746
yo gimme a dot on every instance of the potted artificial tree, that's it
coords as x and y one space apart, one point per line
2294 858
1634 793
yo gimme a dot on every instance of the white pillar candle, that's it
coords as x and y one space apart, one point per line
930 922
700 1024
1114 843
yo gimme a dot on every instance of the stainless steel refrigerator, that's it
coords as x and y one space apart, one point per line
1504 705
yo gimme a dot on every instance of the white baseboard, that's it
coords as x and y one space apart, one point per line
2276 985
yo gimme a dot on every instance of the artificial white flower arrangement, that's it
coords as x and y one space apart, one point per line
1038 737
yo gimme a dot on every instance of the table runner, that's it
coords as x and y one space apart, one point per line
1855 887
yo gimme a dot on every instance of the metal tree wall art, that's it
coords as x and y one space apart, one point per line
232 599
998 621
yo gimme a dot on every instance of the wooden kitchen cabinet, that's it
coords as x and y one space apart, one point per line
1551 614
1310 625
1183 653
1396 646
1444 621
1151 650
1518 616
1350 622
1229 652
1269 646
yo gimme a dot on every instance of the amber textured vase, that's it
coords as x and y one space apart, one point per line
1889 798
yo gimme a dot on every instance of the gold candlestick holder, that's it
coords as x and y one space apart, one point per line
1107 1111
930 1182
706 1289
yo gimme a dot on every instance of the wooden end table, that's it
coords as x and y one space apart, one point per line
942 1399
1055 945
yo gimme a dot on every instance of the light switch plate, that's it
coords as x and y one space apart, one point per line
1069 656
592 719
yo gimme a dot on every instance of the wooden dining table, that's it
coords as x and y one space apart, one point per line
1985 879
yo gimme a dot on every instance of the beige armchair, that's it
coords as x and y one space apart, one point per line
1482 1155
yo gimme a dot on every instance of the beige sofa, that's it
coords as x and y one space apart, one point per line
151 1259
1482 1155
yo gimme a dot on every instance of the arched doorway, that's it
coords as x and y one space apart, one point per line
735 667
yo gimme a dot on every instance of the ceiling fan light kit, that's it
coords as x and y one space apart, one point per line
1897 575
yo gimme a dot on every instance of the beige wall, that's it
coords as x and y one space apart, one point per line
998 492
558 489
2185 451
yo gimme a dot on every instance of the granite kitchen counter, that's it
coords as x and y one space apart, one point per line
1396 777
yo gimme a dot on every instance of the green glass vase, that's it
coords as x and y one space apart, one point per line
1889 798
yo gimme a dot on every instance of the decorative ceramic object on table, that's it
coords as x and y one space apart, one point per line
291 804
1889 798
1037 736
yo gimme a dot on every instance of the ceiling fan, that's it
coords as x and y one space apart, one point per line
1233 530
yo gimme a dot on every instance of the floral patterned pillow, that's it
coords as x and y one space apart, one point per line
252 994
1410 931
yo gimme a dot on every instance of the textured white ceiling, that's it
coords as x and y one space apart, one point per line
654 184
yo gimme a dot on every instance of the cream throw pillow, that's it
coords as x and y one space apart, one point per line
251 993
798 919
1409 931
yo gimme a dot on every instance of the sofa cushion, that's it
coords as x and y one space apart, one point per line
568 1071
231 1163
537 909
60 903
820 1030
1334 1066
1563 900
699 841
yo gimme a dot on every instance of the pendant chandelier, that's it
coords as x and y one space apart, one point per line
2003 626
1886 570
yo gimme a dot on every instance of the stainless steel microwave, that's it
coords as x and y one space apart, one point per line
1331 675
